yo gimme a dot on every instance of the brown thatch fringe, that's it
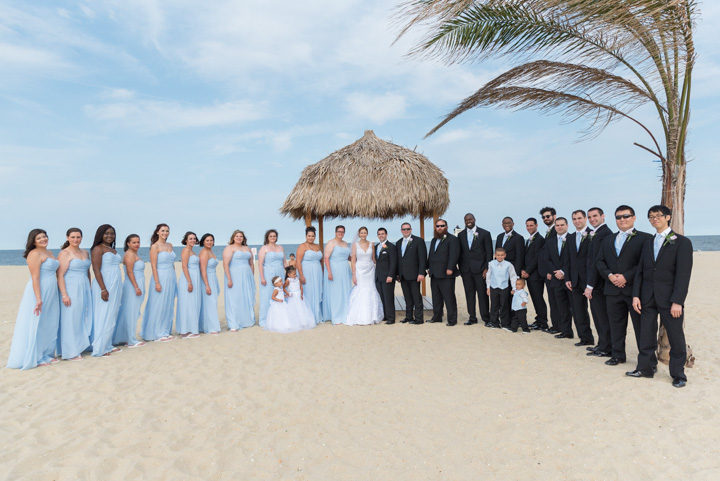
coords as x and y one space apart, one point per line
369 178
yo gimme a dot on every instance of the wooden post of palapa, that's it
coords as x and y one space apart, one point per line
308 219
320 231
422 234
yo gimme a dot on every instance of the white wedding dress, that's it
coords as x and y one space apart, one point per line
365 305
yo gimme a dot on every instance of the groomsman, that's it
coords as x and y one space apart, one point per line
442 267
514 245
411 272
596 283
548 215
618 263
576 267
533 247
385 272
556 253
476 251
661 285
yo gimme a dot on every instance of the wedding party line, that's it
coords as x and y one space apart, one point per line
65 311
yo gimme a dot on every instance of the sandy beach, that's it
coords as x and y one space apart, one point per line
381 402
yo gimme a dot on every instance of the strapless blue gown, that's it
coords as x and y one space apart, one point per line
313 287
158 318
76 320
240 300
35 337
105 314
189 303
209 319
126 329
274 265
336 293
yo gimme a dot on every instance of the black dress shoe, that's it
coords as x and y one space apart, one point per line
553 330
389 322
538 327
614 361
488 324
677 382
417 322
470 322
598 353
562 335
583 343
451 323
433 321
495 325
405 320
637 373
592 348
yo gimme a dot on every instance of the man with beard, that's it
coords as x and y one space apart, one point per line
442 267
475 252
548 215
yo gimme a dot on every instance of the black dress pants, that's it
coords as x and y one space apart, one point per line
647 358
443 292
553 304
387 296
519 320
562 318
598 307
535 286
475 287
413 300
498 299
580 315
618 308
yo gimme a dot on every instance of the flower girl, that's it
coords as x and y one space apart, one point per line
298 311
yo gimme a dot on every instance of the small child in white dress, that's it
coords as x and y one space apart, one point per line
281 316
298 311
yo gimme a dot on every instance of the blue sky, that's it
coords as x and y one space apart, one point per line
134 112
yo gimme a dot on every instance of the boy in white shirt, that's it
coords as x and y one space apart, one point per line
519 307
499 277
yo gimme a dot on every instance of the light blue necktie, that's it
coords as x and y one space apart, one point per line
560 241
504 240
659 239
437 243
379 248
578 240
470 239
404 246
619 241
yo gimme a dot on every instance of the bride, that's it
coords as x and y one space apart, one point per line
365 306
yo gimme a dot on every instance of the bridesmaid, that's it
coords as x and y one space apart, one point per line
133 294
106 290
36 326
158 319
189 296
271 258
209 320
239 283
76 319
310 272
338 279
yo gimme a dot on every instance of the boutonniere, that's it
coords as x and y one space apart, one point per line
584 235
670 238
444 236
631 235
509 235
475 234
409 240
563 242
383 245
592 235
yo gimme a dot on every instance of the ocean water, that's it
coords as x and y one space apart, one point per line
13 257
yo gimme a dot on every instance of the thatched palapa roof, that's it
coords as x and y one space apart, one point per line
369 178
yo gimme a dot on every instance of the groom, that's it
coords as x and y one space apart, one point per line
386 260
412 256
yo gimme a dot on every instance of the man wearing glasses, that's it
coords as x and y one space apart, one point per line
412 258
548 215
618 263
442 267
661 285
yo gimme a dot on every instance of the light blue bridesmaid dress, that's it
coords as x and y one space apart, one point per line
76 320
35 337
105 313
240 299
189 303
313 287
126 329
209 320
158 319
274 265
336 293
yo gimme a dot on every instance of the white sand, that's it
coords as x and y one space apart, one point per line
363 403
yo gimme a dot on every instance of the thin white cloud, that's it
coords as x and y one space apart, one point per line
376 108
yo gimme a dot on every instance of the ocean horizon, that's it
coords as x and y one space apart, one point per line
13 257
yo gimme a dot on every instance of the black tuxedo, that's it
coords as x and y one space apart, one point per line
549 236
553 260
598 304
386 266
411 264
659 283
474 260
535 282
515 255
619 300
443 256
576 272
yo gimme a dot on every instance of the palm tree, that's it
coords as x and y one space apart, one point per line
596 60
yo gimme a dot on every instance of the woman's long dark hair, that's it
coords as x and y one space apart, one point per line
155 236
267 236
126 247
30 244
67 234
99 233
205 236
185 237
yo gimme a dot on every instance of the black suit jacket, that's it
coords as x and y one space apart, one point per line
576 260
444 257
594 278
514 248
412 264
475 259
666 279
386 262
554 260
626 263
533 248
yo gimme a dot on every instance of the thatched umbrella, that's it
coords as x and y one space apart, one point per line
369 178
